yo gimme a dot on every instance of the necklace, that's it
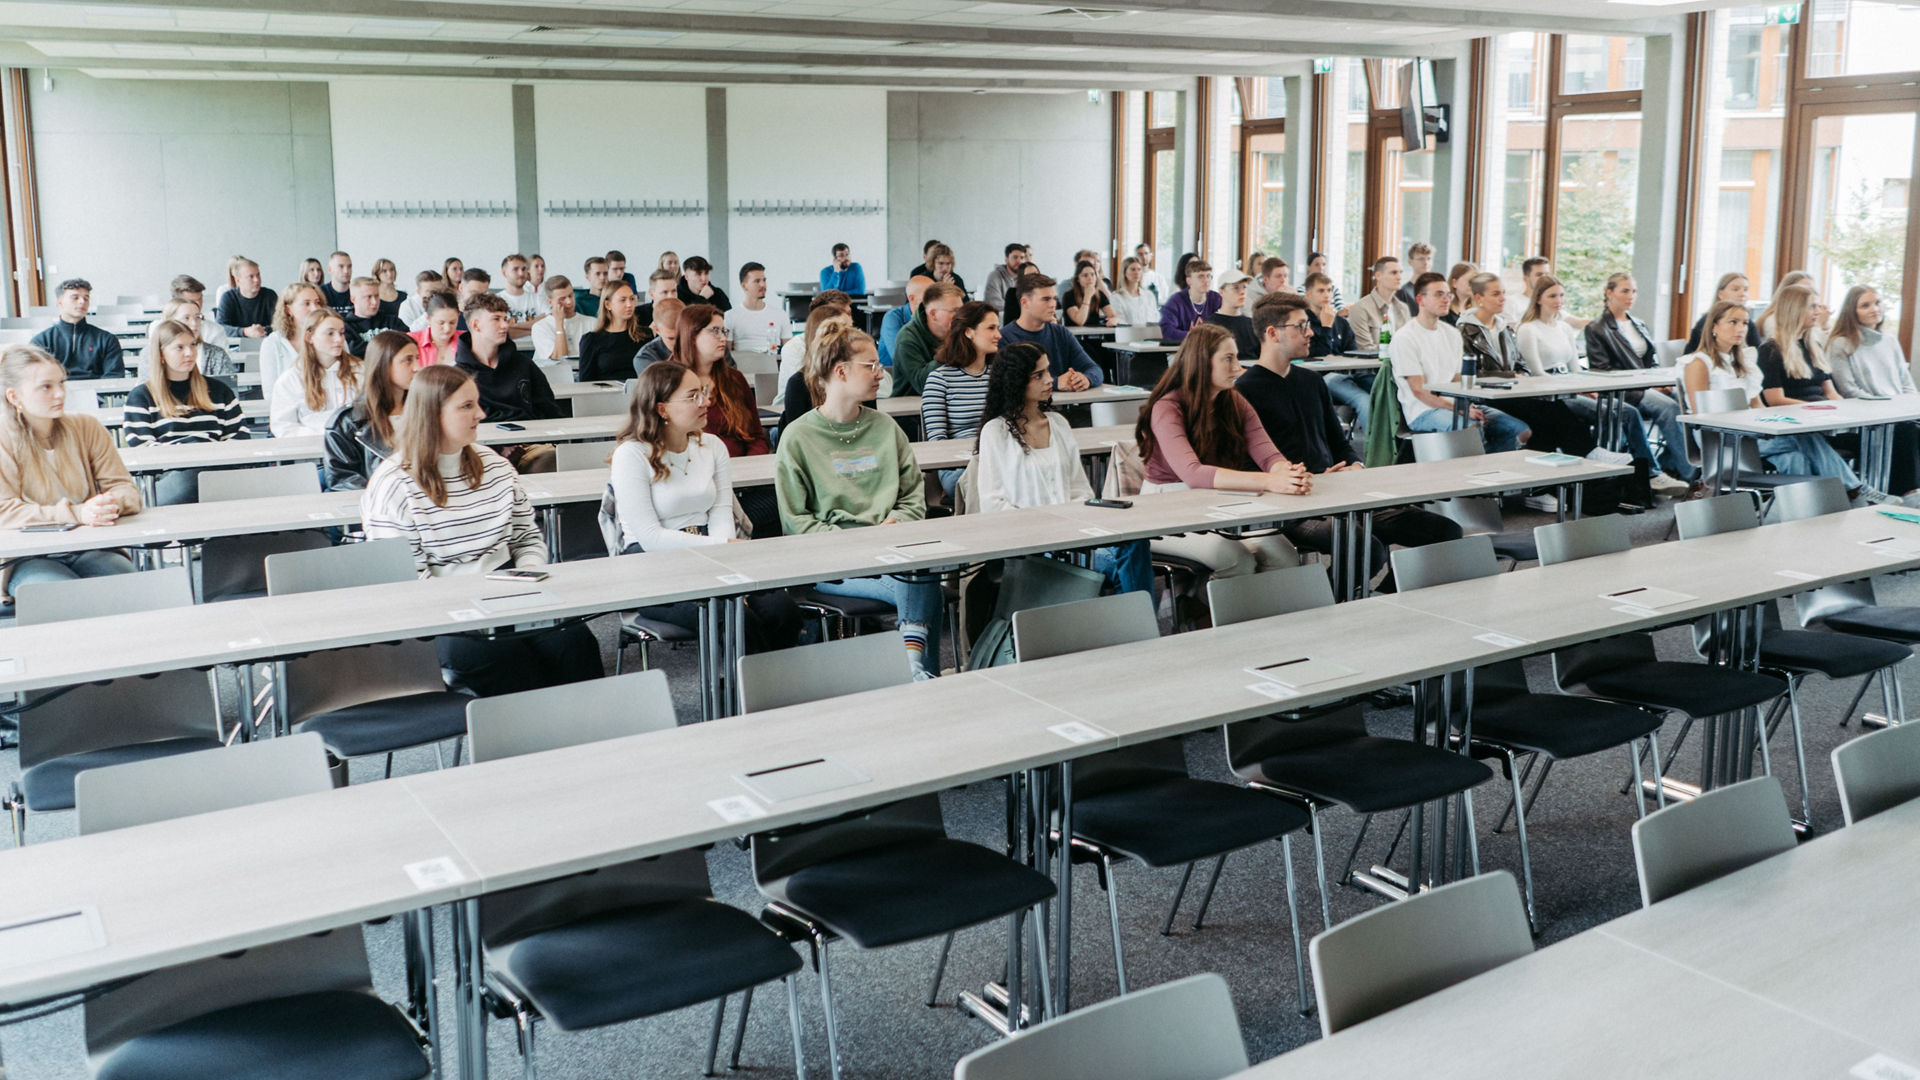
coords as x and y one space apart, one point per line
845 432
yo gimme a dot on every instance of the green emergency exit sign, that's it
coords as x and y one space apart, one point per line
1323 65
1783 14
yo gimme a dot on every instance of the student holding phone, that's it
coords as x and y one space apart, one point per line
462 509
56 471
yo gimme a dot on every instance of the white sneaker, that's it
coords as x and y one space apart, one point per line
1609 457
1545 503
1662 484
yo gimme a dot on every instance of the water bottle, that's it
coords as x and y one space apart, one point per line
1469 371
1386 339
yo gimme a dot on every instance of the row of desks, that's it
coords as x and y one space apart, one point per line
164 893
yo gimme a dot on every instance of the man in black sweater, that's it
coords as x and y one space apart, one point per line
512 388
338 288
368 316
85 350
246 310
1295 408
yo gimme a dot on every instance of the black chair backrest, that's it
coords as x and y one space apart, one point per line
785 852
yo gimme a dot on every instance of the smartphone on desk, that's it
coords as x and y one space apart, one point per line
1112 504
517 575
52 526
511 427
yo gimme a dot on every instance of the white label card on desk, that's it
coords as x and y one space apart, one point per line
1243 508
245 643
734 579
1497 476
1796 575
329 516
10 665
1301 671
54 934
737 808
435 873
1636 612
1502 641
1894 545
465 614
1647 596
1218 515
1096 531
1378 494
520 601
1273 690
1883 1067
1077 732
891 559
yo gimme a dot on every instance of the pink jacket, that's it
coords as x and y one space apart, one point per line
423 337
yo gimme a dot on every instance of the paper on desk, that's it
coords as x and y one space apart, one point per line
1883 1067
1554 461
1497 476
435 873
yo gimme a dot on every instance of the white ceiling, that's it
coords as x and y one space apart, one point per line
1025 45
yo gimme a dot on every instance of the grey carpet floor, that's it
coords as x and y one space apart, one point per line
1582 857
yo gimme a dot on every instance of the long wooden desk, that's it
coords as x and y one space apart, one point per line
1610 387
1874 418
160 458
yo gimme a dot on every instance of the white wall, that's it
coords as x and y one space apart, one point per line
139 180
658 154
980 171
777 150
381 155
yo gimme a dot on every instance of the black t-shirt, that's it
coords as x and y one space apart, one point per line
1241 327
1773 372
607 354
690 298
1333 340
1298 414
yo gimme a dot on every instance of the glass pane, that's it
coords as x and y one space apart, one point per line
1409 201
1356 221
1594 204
1593 63
1161 108
1238 182
1741 157
1269 98
1165 200
1386 90
1268 205
1857 223
1863 37
1357 101
1513 200
1520 222
1526 56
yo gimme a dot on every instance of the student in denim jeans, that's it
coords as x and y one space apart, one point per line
1426 352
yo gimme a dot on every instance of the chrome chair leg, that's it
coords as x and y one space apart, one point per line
1659 774
740 1031
1634 751
1113 916
1473 838
939 972
1206 898
1346 874
1293 925
1847 716
1800 749
713 1037
826 1003
1525 774
1520 827
1320 867
1179 892
523 1028
793 1024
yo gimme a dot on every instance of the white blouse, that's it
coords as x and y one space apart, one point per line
1747 379
1012 477
697 491
277 356
1549 344
287 411
1139 310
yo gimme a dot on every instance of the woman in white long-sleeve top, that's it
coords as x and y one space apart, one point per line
324 379
1867 362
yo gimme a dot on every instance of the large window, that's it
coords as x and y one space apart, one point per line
1594 203
1259 166
1741 146
1863 37
1162 202
1857 216
1512 199
1593 64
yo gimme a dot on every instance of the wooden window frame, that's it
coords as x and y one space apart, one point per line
1250 177
1561 105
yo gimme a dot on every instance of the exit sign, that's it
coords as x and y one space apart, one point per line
1783 14
1323 65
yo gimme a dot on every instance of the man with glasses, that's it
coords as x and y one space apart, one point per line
1295 408
917 342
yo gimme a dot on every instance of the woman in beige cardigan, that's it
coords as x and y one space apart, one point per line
55 470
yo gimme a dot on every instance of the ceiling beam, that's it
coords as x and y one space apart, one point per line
1481 22
559 16
533 47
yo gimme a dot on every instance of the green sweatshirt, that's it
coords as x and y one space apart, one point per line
836 476
913 355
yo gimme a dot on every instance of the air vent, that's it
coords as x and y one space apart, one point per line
1087 13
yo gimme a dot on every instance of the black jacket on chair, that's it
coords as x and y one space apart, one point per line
351 449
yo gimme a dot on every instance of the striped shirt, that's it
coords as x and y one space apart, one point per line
145 423
951 403
480 529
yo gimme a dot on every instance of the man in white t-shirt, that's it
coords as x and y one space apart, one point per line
1151 279
753 324
1426 352
524 304
558 332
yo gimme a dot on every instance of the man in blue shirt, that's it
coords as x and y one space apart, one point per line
844 274
85 350
1072 368
899 317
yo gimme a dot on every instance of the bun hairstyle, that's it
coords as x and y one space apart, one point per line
832 347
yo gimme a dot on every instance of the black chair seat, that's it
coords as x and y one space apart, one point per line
1900 624
1518 546
1178 820
379 727
321 1036
1694 689
1368 774
1560 725
911 891
49 785
636 624
1837 656
625 964
847 607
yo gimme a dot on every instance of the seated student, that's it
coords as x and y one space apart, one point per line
1426 352
1727 362
322 381
843 466
668 261
413 310
454 271
1380 309
1317 264
56 469
617 270
280 351
189 289
1196 431
672 489
1491 340
1073 369
793 352
700 343
537 273
1793 366
367 315
472 284
1763 319
1419 261
956 389
696 285
557 334
1087 302
1734 287
1277 276
1026 455
1010 306
587 300
1619 341
897 318
939 266
925 269
1296 411
795 396
461 507
1189 307
512 387
178 404
212 360
85 350
313 272
843 273
607 351
1004 277
246 310
1462 292
665 331
391 295
524 303
439 339
1232 316
661 285
1867 362
919 341
1251 266
338 286
1133 303
1332 334
1151 279
361 435
756 325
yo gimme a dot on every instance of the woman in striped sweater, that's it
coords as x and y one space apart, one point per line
179 404
955 395
462 509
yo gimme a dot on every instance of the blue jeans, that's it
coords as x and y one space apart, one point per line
917 602
1663 412
1499 431
1633 431
1353 391
1807 455
68 567
1128 566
